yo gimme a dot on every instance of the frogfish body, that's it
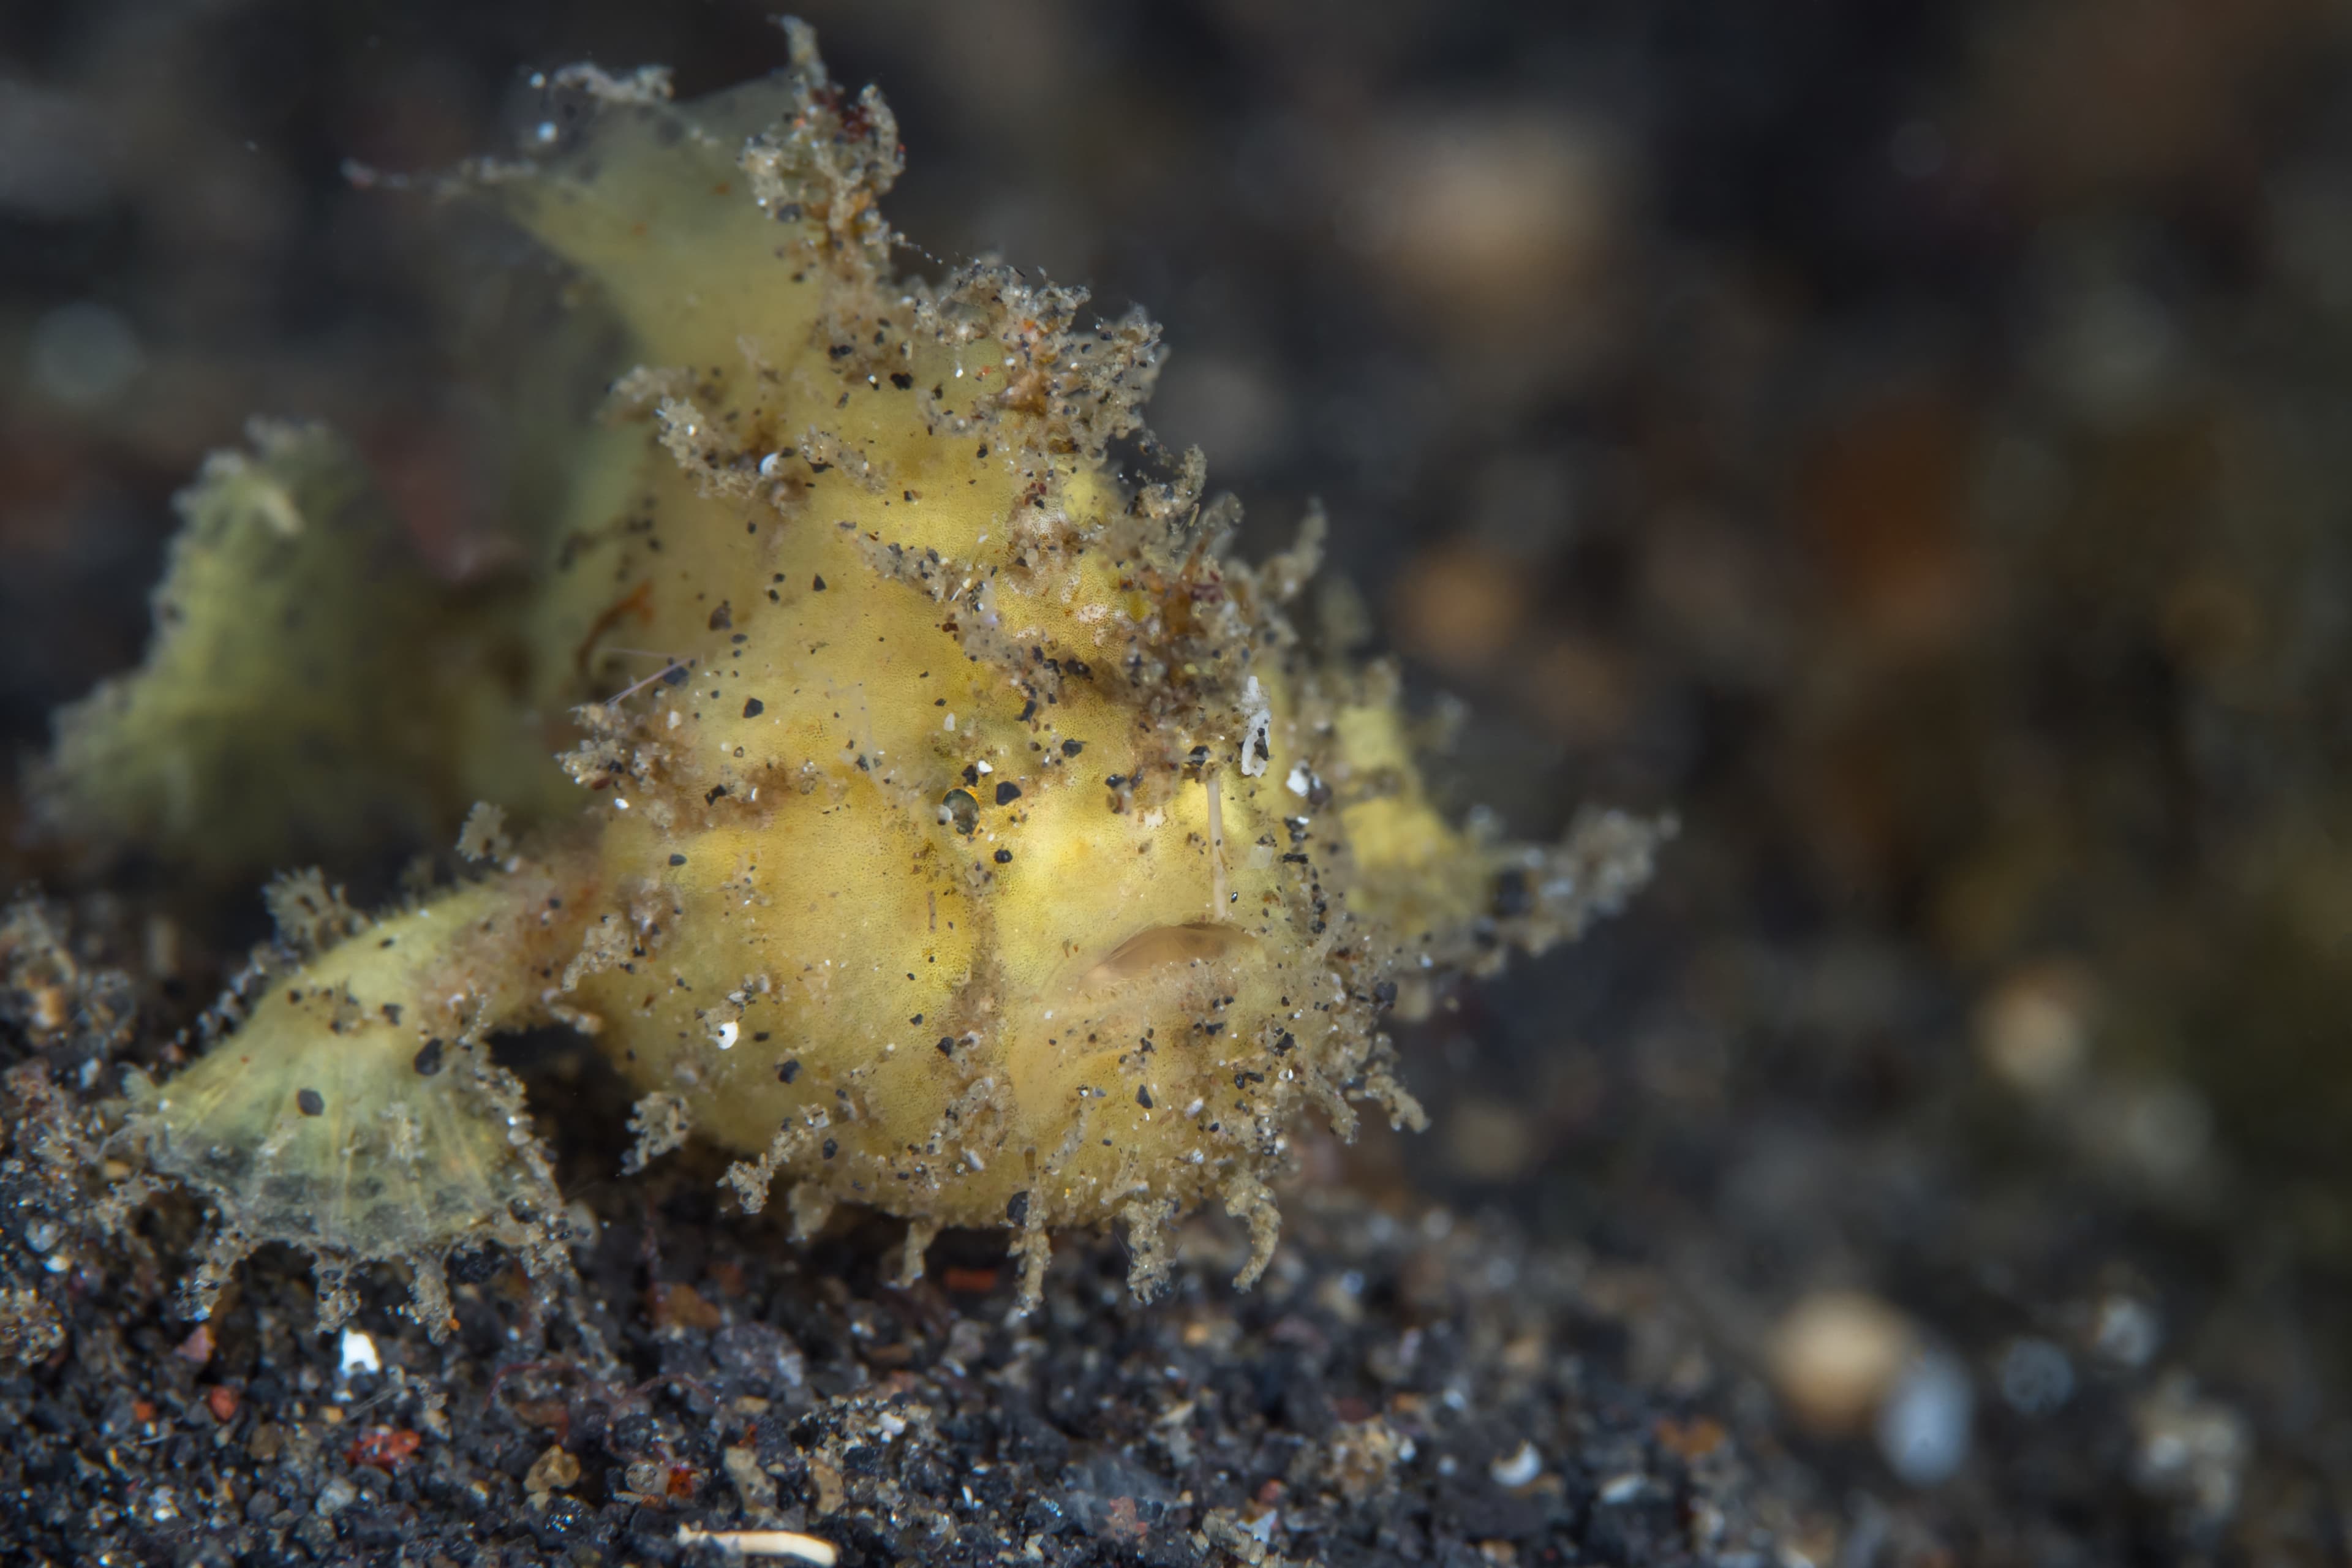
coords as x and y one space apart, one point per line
946 821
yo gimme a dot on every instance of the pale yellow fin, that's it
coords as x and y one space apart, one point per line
355 1113
307 694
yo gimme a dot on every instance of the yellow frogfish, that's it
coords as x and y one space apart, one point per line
898 791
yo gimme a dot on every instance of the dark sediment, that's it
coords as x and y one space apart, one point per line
1908 446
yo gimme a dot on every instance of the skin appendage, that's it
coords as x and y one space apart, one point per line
949 824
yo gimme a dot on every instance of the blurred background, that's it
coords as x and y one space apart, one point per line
1913 443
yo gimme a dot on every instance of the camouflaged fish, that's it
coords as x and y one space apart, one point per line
944 820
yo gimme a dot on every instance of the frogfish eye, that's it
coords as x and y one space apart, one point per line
1157 947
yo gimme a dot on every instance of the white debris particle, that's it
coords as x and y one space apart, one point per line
1300 781
2190 1450
1257 728
359 1354
726 1036
763 1544
1518 1469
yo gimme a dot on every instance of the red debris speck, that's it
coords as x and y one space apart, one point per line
1694 1439
1124 1522
552 1413
384 1446
221 1399
683 1306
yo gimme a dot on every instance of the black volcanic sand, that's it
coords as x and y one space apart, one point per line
1410 1383
1409 1386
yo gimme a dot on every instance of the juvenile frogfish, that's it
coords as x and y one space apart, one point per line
946 821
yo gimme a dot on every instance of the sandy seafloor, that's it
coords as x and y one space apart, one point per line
1906 442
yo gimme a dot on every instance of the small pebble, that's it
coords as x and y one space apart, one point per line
84 355
1835 1356
551 1471
2036 1376
2126 1330
2190 1450
1922 1426
2034 1032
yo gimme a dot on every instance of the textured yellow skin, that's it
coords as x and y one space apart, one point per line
993 852
823 906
